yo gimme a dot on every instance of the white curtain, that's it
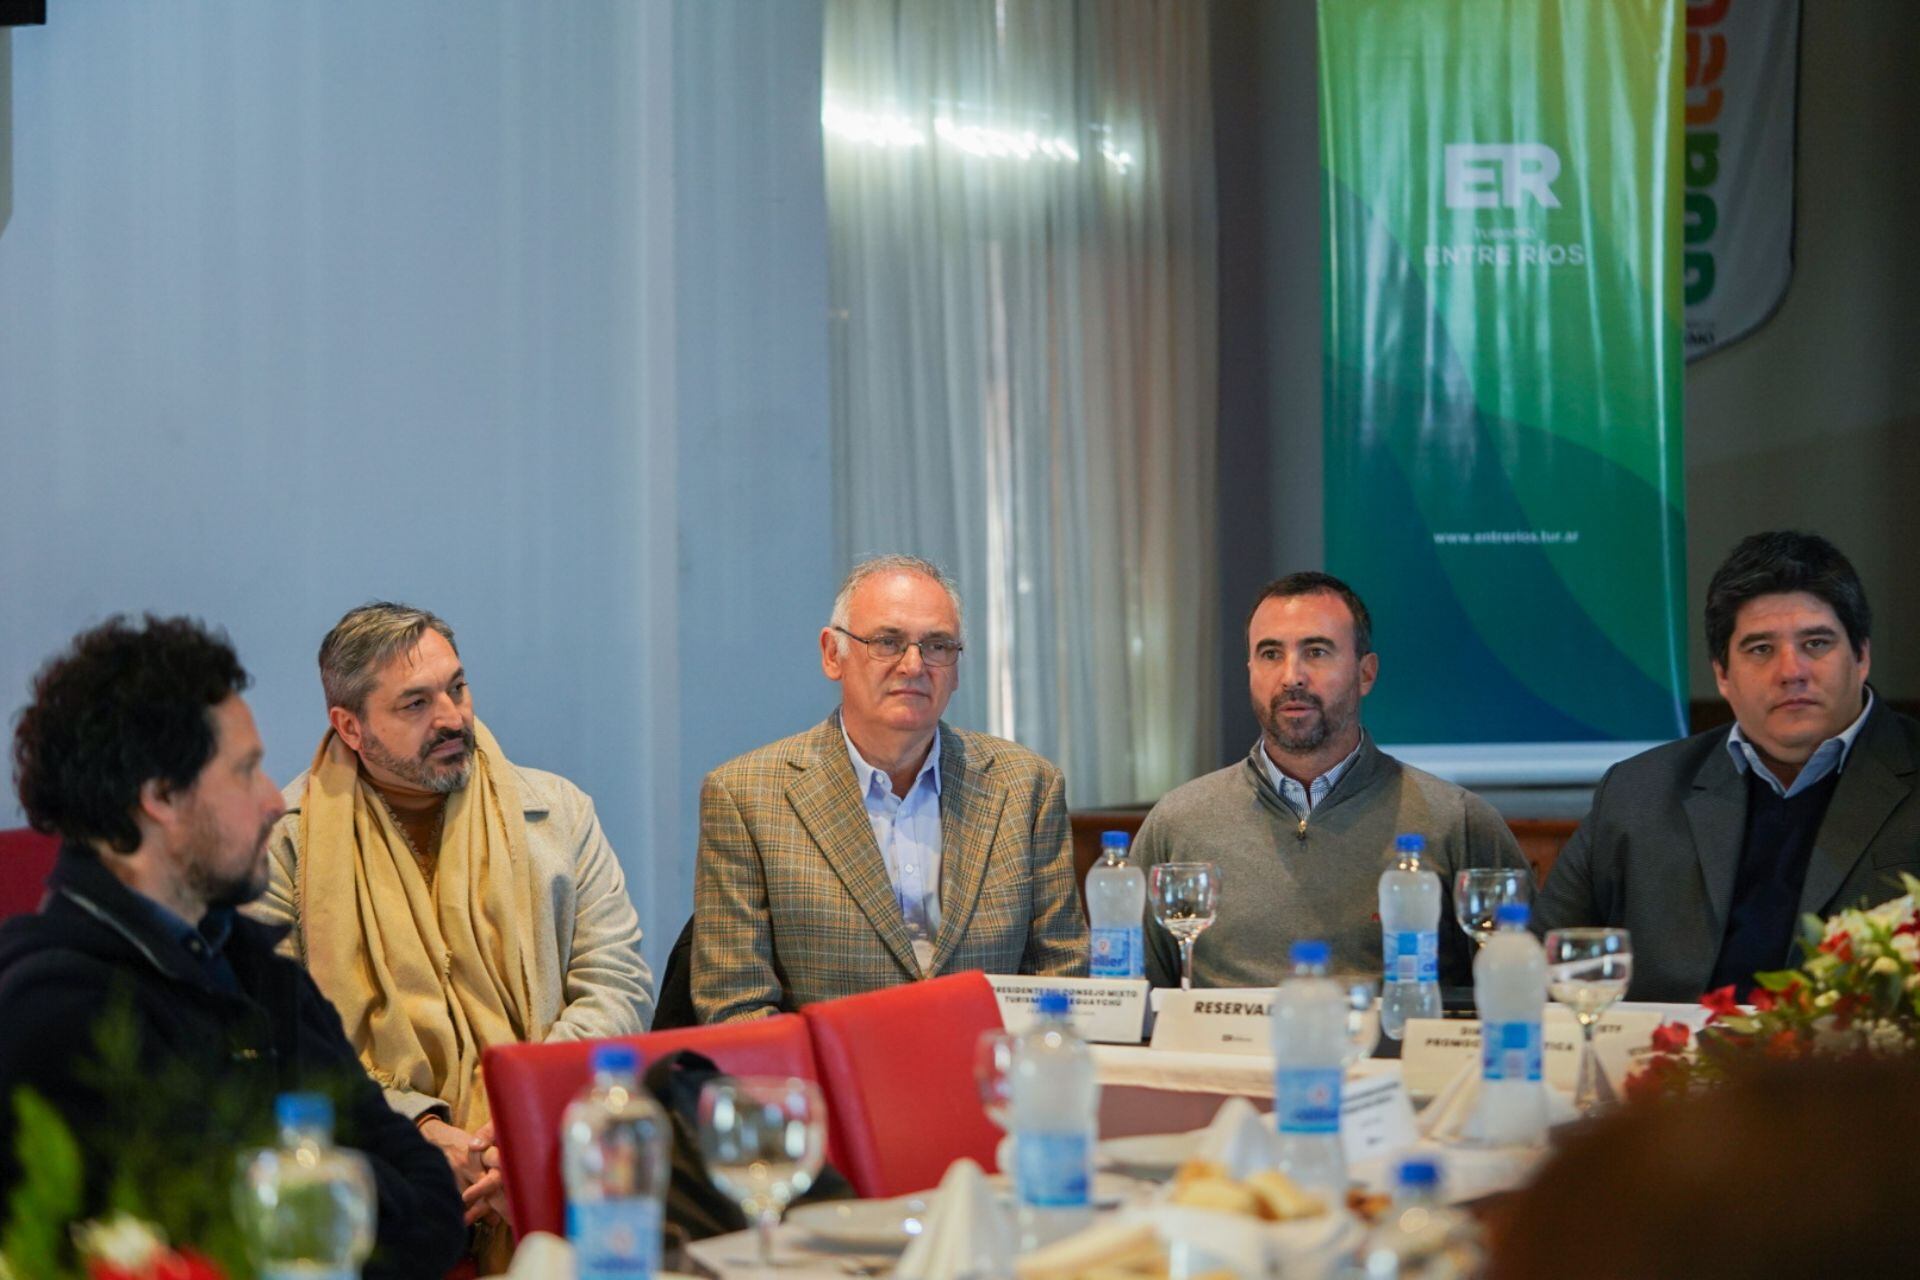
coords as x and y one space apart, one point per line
1021 202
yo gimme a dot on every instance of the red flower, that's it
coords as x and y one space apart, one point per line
1762 1000
1720 1003
184 1265
1839 946
1784 1045
1662 1075
1670 1037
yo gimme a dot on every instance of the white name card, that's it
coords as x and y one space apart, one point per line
1376 1119
1435 1048
1216 1020
1105 1010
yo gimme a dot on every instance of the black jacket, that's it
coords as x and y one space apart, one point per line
94 947
1660 851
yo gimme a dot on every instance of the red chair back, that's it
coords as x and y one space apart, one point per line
897 1067
529 1085
26 857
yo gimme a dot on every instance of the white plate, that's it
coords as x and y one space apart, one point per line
1149 1155
863 1224
1110 1190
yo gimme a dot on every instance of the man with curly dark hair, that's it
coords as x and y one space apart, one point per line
139 752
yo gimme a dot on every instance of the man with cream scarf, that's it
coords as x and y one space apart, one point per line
443 898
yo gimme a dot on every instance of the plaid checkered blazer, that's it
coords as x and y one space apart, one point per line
792 902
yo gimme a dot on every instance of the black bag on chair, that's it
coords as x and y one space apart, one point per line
695 1208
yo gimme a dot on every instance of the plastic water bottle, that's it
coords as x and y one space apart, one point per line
306 1206
1056 1104
1309 1054
1409 937
614 1154
1510 990
1116 901
1419 1237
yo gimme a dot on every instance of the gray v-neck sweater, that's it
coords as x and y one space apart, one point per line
1284 878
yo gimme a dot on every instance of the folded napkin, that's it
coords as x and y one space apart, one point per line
542 1256
1240 1139
1450 1117
967 1233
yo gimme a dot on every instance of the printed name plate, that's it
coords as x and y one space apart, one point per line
1435 1048
1376 1119
1105 1010
1215 1020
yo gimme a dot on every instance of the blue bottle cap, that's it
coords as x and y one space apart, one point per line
1115 840
303 1111
1053 1004
1410 842
1310 952
1418 1172
614 1059
1512 915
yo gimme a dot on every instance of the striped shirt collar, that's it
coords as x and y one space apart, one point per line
1829 757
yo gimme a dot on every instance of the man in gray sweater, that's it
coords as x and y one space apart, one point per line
1302 828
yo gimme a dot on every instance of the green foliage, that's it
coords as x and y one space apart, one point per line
47 1195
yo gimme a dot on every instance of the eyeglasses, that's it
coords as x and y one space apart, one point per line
935 651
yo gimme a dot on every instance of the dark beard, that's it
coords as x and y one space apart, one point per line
1309 737
418 771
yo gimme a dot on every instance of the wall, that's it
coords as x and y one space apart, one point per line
1813 422
307 303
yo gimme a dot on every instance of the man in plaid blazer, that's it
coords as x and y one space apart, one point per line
881 846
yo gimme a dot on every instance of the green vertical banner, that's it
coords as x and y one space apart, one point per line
1502 191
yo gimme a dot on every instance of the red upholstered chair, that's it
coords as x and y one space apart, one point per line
529 1085
26 857
897 1068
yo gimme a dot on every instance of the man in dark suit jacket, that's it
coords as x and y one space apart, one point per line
1710 849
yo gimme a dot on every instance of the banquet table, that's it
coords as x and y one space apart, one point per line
1143 1091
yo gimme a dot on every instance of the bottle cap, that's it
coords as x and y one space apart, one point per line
1115 840
1512 915
1310 952
303 1111
614 1059
1053 1004
1418 1171
1410 842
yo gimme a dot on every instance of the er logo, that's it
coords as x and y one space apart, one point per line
1483 175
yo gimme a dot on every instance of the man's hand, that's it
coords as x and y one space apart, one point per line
488 1192
457 1145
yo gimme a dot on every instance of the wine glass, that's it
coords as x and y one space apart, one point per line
1587 970
764 1139
1362 994
993 1077
1479 892
1185 896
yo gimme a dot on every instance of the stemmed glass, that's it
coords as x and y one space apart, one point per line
1185 896
1362 994
764 1139
1479 892
993 1077
1587 970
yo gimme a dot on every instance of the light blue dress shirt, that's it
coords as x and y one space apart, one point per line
907 829
1829 757
1302 799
